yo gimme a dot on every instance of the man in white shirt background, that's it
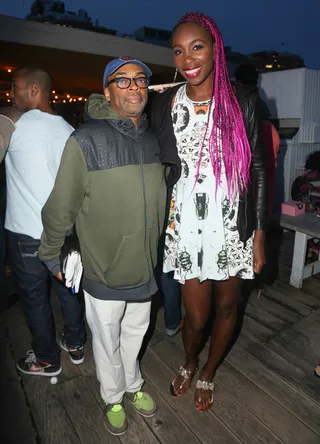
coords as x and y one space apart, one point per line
32 162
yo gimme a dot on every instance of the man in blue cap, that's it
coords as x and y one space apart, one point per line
111 185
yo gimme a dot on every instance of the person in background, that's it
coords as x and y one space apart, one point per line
111 185
306 189
248 75
170 290
8 117
32 162
212 144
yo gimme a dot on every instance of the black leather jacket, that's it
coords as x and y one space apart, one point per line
252 214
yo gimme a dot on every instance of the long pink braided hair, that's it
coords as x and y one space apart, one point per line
228 130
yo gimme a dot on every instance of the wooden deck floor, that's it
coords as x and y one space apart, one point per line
265 390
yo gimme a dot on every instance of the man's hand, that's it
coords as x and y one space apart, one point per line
59 276
12 112
259 259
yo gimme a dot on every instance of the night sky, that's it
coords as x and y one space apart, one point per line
247 25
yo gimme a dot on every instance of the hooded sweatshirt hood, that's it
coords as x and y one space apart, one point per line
98 108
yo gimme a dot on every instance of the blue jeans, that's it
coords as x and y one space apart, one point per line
170 289
32 279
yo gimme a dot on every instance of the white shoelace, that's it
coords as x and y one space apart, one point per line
30 356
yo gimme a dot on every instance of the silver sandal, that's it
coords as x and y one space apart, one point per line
205 385
186 374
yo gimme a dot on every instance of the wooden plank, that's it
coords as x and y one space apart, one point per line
246 339
297 295
287 302
167 425
257 330
226 408
306 383
160 376
299 405
284 432
265 318
138 431
300 344
312 286
52 424
314 317
285 425
13 404
84 412
275 309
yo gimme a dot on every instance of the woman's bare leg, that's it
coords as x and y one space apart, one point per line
222 331
197 301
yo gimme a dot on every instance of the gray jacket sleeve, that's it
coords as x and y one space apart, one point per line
6 129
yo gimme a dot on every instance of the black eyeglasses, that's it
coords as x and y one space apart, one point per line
125 82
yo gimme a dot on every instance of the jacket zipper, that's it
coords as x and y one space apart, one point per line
144 199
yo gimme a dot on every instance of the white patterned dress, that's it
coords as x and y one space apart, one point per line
202 240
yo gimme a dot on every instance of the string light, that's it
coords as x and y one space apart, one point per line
61 97
66 99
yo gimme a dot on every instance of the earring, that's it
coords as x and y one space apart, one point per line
175 75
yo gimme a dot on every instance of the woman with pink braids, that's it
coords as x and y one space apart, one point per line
211 142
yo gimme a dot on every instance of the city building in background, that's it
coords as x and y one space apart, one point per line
54 12
76 50
153 35
276 61
50 11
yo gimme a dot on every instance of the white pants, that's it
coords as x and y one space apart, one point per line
118 329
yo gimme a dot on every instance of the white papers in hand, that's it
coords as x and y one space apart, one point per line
72 269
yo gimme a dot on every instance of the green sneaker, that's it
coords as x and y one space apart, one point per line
143 403
115 419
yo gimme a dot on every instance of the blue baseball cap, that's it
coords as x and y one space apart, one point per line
117 63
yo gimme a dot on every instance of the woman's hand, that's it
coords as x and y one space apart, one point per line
259 259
